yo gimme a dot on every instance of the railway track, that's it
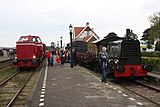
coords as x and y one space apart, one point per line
10 88
23 97
148 92
6 80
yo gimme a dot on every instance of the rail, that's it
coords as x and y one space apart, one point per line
143 90
12 87
13 99
6 80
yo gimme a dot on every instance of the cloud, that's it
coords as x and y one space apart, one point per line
50 18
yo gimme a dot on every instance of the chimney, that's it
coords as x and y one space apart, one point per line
128 31
87 24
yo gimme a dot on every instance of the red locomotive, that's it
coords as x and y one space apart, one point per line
30 52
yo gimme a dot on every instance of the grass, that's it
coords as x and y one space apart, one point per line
4 74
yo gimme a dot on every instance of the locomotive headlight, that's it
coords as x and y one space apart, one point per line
34 56
116 61
15 56
110 60
15 59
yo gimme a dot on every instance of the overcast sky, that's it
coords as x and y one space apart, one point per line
50 19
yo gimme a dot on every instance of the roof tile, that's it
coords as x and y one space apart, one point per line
78 30
86 38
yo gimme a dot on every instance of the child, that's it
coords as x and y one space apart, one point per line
58 59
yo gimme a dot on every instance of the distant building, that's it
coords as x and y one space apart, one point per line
86 34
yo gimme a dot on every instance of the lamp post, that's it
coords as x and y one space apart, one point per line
70 32
61 41
52 45
57 44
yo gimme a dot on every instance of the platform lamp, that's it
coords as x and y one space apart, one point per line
70 32
61 41
57 44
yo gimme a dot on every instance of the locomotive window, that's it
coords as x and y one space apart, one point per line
38 39
34 40
114 49
23 39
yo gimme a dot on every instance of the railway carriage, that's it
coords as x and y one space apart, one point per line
30 52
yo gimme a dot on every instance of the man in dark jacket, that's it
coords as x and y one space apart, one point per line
104 59
74 57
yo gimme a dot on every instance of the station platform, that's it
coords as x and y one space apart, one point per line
2 58
76 87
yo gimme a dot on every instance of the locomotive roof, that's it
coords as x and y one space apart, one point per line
106 40
29 38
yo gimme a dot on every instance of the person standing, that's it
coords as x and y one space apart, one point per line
104 59
48 55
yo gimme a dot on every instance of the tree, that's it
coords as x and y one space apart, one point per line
155 26
157 46
154 19
155 29
145 35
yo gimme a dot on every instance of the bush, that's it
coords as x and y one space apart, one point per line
154 61
150 54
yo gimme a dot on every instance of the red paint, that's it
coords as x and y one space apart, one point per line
136 71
